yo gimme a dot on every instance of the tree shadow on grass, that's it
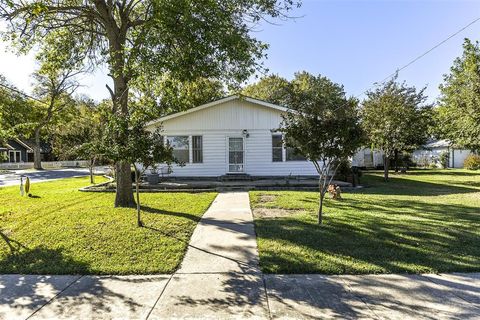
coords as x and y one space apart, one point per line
403 186
423 241
31 278
148 209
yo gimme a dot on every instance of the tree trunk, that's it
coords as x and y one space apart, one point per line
386 164
92 164
137 182
320 207
396 161
37 156
124 193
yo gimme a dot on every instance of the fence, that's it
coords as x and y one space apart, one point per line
45 164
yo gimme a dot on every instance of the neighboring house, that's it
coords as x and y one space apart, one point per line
235 135
368 158
430 154
16 151
21 150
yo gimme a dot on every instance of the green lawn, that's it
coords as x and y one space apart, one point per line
64 231
424 221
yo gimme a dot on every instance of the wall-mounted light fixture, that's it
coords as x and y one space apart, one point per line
245 133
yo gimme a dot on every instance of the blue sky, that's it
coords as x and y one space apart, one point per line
355 43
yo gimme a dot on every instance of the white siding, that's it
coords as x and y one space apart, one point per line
215 124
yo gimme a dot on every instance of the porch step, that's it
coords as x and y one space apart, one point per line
235 177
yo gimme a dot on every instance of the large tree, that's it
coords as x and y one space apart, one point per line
396 118
323 125
272 88
185 38
459 110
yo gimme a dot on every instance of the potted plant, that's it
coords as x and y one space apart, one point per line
153 176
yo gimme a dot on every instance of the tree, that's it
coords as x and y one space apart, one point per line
272 88
156 97
396 119
15 111
143 150
78 136
459 112
322 125
55 84
183 38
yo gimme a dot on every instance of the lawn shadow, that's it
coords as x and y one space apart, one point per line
31 278
404 186
388 243
149 209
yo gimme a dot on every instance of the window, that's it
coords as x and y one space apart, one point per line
180 148
277 148
292 155
197 149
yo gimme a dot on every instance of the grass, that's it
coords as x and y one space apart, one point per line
64 231
420 222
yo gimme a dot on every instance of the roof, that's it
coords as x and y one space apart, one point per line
438 144
217 102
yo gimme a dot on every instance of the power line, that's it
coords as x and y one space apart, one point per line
21 93
414 60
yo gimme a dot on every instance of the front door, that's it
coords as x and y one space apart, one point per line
235 155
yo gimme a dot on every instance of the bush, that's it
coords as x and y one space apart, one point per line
472 162
444 159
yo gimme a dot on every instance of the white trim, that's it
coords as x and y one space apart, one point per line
217 102
23 144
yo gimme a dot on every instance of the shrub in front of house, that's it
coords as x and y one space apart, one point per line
472 162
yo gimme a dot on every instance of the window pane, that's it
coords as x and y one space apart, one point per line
181 155
180 148
294 156
277 155
197 149
277 146
277 141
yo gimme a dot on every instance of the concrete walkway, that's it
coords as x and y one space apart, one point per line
220 279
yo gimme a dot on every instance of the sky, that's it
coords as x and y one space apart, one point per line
355 43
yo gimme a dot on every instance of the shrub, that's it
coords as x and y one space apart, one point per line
444 158
472 162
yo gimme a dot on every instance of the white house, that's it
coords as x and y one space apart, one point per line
233 135
367 158
430 154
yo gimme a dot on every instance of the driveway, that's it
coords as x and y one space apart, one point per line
220 278
13 178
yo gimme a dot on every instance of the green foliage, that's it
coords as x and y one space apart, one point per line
396 118
444 158
272 88
459 112
472 162
322 125
156 97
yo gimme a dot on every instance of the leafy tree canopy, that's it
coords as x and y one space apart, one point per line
458 114
396 118
272 88
323 125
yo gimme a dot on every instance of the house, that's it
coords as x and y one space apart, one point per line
235 135
430 154
21 150
16 150
367 158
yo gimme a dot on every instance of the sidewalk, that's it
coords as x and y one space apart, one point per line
220 279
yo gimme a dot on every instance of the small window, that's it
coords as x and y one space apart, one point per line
180 148
197 149
292 155
277 148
